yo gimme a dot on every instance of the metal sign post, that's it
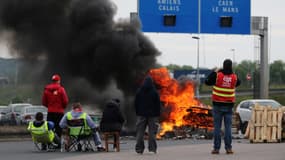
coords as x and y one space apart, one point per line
260 28
198 67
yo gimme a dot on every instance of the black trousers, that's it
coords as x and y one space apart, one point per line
55 118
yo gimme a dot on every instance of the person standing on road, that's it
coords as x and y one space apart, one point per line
55 99
147 107
224 82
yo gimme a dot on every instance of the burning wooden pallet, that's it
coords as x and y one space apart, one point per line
183 132
265 124
198 122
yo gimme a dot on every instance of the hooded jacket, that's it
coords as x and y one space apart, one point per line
147 100
55 98
112 119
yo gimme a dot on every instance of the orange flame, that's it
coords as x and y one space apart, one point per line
177 98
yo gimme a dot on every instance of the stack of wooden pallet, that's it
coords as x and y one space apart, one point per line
265 124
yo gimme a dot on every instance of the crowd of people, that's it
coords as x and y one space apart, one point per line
147 107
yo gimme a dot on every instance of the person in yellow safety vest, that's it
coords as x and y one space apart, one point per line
77 113
75 131
224 82
41 127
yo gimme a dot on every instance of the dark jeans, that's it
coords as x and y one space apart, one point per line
221 113
142 123
55 118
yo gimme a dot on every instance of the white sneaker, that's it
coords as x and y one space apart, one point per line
54 144
240 135
152 152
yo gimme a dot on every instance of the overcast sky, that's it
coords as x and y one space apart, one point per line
181 49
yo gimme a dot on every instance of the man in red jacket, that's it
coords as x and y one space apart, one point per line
56 100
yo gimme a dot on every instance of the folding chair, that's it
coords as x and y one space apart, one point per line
43 139
79 136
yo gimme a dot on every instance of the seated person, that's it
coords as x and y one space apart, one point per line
112 118
38 127
77 113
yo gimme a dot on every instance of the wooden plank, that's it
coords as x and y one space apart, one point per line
258 141
258 125
274 126
252 131
270 125
279 121
283 123
264 124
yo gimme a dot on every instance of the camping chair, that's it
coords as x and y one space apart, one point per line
42 139
79 136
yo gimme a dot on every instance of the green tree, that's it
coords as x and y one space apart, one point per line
172 67
186 67
244 68
277 72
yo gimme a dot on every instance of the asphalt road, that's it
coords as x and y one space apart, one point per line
24 149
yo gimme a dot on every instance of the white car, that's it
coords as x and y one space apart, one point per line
14 112
244 109
28 113
3 115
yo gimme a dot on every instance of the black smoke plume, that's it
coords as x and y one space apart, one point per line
96 57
